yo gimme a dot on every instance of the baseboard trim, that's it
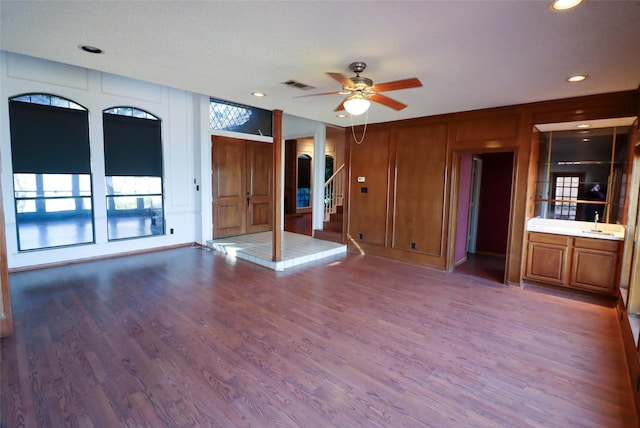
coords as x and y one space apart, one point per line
104 257
459 262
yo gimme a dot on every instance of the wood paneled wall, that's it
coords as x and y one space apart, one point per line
417 212
411 173
369 187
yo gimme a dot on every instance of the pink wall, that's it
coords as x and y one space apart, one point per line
464 197
495 203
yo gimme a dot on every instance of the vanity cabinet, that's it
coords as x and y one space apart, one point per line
589 264
547 258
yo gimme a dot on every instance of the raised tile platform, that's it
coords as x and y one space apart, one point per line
296 249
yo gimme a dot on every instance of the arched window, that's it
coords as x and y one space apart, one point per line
133 173
51 171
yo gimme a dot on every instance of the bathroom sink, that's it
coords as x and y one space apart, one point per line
598 232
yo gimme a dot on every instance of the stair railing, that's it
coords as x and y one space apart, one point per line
334 192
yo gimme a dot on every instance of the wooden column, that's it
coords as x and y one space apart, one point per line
276 251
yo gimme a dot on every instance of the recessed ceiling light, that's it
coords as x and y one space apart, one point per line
91 49
341 115
565 4
583 125
577 78
585 139
258 94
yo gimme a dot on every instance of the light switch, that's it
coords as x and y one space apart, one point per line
361 180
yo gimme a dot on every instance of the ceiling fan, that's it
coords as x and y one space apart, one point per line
362 89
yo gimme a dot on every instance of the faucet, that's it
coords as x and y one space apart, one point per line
595 226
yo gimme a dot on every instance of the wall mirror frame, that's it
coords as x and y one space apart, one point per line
583 170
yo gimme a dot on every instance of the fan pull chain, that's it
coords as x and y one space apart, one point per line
364 131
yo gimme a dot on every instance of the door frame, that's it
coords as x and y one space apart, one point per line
455 202
474 201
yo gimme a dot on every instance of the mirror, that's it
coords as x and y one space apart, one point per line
582 171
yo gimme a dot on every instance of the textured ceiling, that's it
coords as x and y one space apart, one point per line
468 54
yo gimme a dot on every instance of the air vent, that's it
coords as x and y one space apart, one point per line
297 85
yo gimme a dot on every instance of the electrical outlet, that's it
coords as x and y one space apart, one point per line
171 231
413 245
361 236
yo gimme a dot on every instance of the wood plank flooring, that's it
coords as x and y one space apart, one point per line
192 338
298 223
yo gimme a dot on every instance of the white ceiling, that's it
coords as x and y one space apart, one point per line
468 54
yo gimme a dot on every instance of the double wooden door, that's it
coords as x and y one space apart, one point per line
242 180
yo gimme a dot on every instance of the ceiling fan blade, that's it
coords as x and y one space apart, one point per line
315 95
389 102
344 80
341 106
398 84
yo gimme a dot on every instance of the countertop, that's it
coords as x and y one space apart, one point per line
585 229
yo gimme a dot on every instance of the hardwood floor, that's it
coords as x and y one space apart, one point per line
188 337
298 223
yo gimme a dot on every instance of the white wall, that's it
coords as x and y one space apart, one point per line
294 127
97 91
186 140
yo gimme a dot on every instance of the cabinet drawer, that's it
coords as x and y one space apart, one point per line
548 238
597 244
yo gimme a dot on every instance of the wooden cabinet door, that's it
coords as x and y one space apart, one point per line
241 183
258 182
547 258
593 270
595 265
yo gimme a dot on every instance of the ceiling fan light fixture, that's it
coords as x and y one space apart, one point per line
356 104
577 78
565 4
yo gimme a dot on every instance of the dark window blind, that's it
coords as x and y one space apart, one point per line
132 146
49 140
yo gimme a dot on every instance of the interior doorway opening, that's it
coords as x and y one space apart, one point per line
484 209
298 185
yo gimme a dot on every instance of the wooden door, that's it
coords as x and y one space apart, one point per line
241 184
258 186
229 198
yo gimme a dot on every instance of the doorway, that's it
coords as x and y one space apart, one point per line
484 209
474 203
298 185
241 184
